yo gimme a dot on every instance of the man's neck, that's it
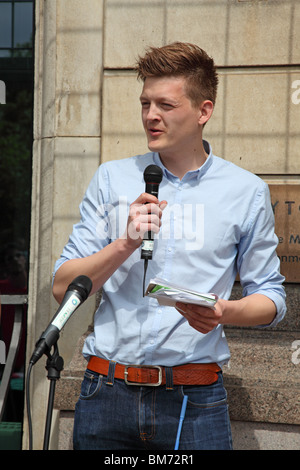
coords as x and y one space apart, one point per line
180 164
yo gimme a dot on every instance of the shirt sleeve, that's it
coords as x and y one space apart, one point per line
91 233
257 262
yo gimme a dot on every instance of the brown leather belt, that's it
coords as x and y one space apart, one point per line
187 374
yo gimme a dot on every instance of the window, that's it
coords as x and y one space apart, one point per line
16 28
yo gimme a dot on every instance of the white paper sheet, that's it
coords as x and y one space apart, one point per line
169 294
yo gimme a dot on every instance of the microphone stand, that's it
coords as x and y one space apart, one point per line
54 366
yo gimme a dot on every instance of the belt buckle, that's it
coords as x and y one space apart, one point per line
145 367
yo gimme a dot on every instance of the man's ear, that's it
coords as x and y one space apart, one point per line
205 111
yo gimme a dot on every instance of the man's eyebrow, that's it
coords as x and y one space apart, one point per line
160 98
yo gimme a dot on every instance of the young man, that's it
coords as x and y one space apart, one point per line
212 220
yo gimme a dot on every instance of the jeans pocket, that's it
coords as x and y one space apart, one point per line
91 385
208 396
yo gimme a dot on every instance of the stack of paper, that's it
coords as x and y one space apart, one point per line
169 294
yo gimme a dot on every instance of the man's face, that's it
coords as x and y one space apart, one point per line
170 120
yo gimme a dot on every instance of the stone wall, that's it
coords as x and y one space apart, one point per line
87 111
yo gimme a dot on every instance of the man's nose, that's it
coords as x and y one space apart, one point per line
153 113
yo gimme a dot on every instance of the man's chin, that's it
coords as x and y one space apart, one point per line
154 146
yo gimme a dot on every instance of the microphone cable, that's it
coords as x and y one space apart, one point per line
27 392
145 271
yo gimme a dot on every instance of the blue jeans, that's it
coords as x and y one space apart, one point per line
121 416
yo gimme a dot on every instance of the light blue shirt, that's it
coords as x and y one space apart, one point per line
218 222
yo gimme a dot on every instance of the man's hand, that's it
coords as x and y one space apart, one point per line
203 319
144 215
252 310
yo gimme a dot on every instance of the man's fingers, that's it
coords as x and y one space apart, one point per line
202 319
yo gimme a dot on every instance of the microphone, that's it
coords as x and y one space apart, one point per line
77 292
152 176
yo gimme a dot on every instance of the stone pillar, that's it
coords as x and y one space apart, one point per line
66 153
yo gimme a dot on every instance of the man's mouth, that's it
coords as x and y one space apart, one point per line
154 132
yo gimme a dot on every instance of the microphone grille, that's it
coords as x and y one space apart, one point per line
83 284
153 174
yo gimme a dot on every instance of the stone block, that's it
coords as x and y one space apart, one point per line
122 130
130 27
75 161
79 67
257 118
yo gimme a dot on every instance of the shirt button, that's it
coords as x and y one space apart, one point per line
170 250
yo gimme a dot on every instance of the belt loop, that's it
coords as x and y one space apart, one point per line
111 373
169 378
